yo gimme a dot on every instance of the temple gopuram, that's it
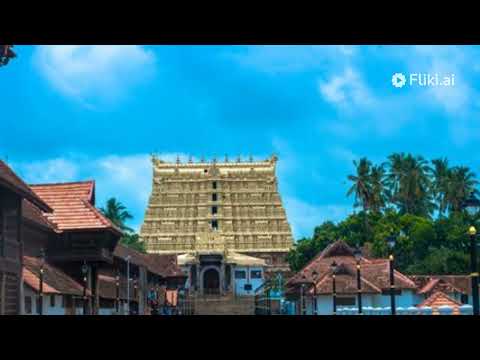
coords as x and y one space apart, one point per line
224 220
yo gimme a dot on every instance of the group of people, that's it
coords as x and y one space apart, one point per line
159 306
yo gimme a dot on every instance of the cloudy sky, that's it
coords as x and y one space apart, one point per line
70 113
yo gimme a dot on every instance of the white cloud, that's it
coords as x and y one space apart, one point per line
347 90
303 217
129 179
48 171
104 71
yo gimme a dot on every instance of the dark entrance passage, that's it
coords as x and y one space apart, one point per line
211 282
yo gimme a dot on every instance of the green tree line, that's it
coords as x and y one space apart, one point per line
418 201
118 214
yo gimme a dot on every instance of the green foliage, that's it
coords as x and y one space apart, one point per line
424 246
117 213
419 202
442 261
132 241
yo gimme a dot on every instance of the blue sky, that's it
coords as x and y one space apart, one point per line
72 113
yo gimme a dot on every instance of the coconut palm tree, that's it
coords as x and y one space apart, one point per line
377 185
361 187
461 182
441 175
409 184
116 212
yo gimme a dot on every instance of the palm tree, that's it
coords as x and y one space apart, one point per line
409 184
394 175
117 213
441 175
361 186
377 185
461 182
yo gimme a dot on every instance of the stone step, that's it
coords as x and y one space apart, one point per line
225 306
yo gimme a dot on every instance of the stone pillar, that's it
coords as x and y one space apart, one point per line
198 286
142 290
232 280
222 278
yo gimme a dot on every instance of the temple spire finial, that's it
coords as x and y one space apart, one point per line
226 158
178 159
239 160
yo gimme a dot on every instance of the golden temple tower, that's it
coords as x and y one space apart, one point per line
219 206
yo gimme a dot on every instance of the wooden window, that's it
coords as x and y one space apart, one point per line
214 224
464 299
52 300
63 300
214 210
214 197
28 305
214 185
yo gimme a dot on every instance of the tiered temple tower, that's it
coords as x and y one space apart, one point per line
229 206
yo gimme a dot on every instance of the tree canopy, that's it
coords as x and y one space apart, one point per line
117 213
418 201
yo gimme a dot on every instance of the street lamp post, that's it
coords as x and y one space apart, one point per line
358 256
314 283
472 206
334 287
85 279
391 244
42 266
302 302
117 292
128 284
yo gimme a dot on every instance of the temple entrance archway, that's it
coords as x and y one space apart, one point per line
211 281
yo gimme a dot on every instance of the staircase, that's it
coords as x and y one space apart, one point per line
224 305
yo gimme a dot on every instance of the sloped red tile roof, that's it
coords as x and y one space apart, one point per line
55 281
11 181
163 265
73 205
121 251
438 299
375 273
34 214
445 283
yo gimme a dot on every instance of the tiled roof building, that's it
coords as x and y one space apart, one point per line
73 205
374 273
11 181
439 299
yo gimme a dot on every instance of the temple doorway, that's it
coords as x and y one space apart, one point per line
211 282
